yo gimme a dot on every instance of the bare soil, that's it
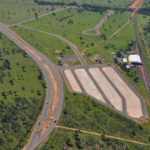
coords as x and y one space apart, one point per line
134 3
44 126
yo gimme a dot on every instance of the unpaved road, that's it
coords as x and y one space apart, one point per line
93 133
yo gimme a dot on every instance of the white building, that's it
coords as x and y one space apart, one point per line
124 60
135 59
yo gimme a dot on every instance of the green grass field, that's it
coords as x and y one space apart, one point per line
14 11
21 94
143 20
46 44
112 3
146 59
146 4
83 113
89 20
67 139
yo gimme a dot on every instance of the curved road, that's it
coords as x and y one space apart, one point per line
12 36
15 24
66 41
98 25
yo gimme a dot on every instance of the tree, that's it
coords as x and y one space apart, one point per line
115 60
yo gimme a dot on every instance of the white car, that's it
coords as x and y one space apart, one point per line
37 131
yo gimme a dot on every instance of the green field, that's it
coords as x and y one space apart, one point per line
146 4
22 94
146 59
91 19
67 139
143 20
47 44
83 113
112 3
14 11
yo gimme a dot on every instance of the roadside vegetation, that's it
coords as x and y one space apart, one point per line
18 10
145 55
55 49
112 3
83 113
22 94
67 139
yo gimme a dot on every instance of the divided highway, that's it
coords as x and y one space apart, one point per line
34 142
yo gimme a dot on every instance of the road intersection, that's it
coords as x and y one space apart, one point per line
40 59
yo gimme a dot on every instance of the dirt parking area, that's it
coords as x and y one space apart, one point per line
88 84
72 81
68 57
106 87
133 104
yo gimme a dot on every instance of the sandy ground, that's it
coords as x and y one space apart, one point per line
106 87
57 51
132 101
88 84
44 126
134 3
72 81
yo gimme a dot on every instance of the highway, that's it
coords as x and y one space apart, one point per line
98 25
34 142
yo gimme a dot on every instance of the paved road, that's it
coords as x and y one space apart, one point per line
98 25
15 24
108 103
34 143
66 41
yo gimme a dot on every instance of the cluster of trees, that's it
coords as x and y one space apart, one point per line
83 113
130 72
18 110
144 11
147 28
78 140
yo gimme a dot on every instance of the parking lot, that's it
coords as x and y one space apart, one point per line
107 86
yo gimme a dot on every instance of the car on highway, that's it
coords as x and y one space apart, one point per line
37 131
46 102
55 121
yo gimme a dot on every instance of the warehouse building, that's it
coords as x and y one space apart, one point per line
135 60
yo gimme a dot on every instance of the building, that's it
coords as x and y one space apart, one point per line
128 67
124 60
135 60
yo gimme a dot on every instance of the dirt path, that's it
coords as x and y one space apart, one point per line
87 49
134 3
113 137
119 29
